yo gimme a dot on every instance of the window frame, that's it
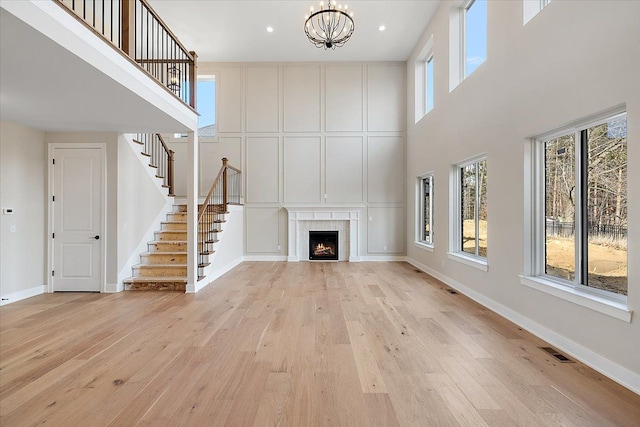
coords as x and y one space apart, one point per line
464 9
420 241
455 211
534 276
426 108
530 8
182 137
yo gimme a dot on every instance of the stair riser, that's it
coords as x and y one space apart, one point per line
155 286
170 235
152 271
177 216
174 226
167 246
160 258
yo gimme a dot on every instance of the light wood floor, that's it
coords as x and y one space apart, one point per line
296 344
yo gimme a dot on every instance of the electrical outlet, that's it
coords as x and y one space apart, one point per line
12 229
385 247
278 247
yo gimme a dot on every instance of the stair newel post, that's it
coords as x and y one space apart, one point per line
128 28
224 184
193 75
170 173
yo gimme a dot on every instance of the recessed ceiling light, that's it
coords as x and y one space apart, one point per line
382 28
269 29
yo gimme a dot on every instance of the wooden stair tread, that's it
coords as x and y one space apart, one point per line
160 265
167 253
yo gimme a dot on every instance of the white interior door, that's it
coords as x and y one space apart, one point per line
77 219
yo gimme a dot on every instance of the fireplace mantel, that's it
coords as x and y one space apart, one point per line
299 214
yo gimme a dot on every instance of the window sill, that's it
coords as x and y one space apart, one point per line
479 263
602 305
425 246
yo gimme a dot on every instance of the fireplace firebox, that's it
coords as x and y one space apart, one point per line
323 245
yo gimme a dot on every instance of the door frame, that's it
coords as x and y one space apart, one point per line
50 208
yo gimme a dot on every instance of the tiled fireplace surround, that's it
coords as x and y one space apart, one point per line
304 219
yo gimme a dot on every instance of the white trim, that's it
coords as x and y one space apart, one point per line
423 246
24 294
112 288
266 258
475 262
215 275
376 258
350 215
616 372
419 222
420 76
606 302
103 219
594 302
455 206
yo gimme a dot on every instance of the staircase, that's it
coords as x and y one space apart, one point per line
164 266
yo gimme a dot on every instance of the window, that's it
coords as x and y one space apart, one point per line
475 36
532 7
469 212
206 107
428 83
467 39
581 222
424 231
424 80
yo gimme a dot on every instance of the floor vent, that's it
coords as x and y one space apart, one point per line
555 353
451 291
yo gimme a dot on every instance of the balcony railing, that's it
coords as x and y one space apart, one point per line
137 31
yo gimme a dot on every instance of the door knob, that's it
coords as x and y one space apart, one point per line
95 237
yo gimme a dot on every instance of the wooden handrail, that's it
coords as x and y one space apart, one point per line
207 200
228 183
166 28
123 22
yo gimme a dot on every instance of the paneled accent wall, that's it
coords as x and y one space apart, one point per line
316 135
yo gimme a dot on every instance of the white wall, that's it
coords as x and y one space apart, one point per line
23 248
300 131
572 60
142 204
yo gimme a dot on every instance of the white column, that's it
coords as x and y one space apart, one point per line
192 211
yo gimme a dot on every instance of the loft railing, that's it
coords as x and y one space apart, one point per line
137 31
225 190
160 157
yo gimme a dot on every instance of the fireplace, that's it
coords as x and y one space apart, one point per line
323 245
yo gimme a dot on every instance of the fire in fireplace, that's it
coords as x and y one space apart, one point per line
323 245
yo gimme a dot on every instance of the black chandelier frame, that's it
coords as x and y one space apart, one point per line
329 27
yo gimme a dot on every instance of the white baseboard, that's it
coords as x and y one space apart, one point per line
216 274
265 258
112 288
382 258
20 295
606 367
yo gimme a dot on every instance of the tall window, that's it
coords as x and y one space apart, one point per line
428 83
468 227
206 106
584 191
474 50
425 215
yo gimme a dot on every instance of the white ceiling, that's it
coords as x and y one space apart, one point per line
235 31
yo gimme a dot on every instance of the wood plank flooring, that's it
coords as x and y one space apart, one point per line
290 344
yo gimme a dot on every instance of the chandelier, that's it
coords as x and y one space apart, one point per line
329 27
